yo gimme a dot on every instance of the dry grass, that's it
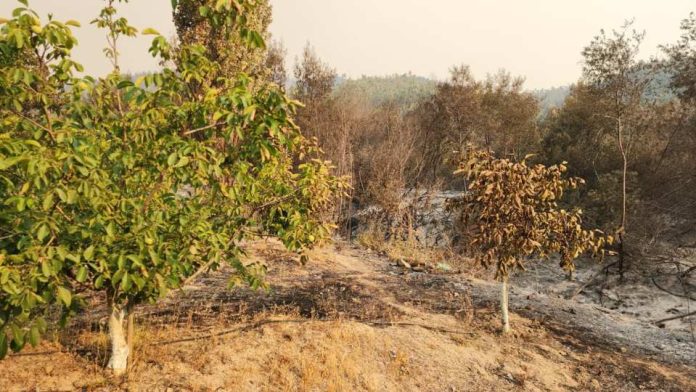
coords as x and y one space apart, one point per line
313 332
436 259
348 356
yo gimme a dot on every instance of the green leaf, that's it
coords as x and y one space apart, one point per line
99 282
73 23
47 201
81 274
17 339
150 31
125 282
111 230
9 162
182 162
124 84
34 336
117 277
171 161
43 232
61 195
46 268
175 3
41 324
3 344
72 196
64 295
88 254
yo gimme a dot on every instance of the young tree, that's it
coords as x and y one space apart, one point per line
613 71
275 62
314 80
319 116
510 214
128 189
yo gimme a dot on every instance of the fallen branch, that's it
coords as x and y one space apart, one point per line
675 318
297 321
250 327
592 279
669 292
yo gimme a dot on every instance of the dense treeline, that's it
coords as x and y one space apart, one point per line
627 126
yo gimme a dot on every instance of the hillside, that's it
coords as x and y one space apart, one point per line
350 320
405 90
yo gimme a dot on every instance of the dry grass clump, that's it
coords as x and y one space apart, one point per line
411 254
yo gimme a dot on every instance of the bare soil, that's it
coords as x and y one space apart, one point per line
350 320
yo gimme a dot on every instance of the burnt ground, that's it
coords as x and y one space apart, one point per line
557 344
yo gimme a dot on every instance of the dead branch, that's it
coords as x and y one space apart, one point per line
675 318
592 279
298 321
669 292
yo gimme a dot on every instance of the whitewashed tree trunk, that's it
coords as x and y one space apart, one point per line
118 362
504 305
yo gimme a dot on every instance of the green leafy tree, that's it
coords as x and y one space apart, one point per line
510 214
233 53
128 189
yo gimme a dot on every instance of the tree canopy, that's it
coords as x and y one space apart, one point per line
128 188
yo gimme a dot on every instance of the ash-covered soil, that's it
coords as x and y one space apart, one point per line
350 320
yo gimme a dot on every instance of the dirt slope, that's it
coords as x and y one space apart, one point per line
350 321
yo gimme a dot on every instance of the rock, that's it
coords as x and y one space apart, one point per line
611 295
404 264
418 269
596 385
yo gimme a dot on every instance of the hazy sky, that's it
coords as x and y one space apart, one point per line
539 39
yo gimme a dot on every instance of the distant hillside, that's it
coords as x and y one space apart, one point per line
404 90
551 98
657 90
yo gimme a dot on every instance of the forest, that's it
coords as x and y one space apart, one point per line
157 227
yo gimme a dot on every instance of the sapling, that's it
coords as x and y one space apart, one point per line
510 213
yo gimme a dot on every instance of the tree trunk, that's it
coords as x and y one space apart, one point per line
131 339
118 362
504 305
624 174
